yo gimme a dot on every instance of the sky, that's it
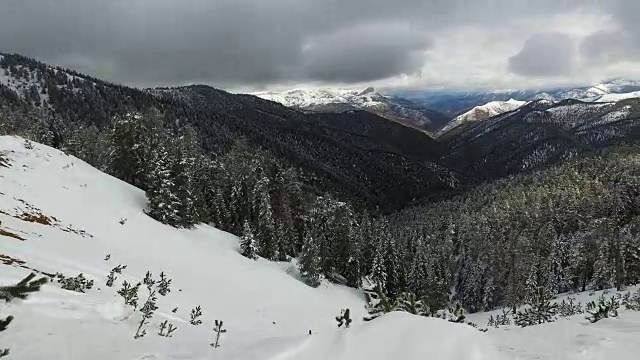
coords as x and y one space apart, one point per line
257 45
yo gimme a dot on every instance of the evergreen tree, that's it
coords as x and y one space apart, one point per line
309 262
20 291
248 246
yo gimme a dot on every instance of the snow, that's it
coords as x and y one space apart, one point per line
399 336
305 98
618 97
248 295
484 112
570 338
267 311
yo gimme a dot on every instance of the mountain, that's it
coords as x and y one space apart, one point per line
484 112
356 154
454 103
50 225
267 310
339 100
540 134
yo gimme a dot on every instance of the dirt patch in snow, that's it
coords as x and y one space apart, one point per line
11 261
34 215
37 218
4 232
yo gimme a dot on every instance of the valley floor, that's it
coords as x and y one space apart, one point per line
58 214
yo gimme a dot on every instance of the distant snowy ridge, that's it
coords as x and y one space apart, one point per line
339 100
484 112
618 97
300 98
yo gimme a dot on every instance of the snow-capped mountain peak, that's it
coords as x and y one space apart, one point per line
483 112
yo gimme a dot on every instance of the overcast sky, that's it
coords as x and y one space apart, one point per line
246 45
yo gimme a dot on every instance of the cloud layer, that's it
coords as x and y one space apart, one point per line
255 43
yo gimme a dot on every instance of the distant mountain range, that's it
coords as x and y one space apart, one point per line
390 107
454 103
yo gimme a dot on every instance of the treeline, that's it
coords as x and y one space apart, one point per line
185 187
573 227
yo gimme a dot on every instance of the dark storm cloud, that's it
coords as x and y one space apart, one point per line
545 55
243 42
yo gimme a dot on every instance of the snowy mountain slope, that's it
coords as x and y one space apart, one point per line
257 300
339 100
618 97
483 112
58 214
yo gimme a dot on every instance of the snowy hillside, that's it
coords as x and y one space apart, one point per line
483 112
58 214
618 97
340 100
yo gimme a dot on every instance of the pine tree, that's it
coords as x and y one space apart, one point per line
219 331
344 318
265 228
20 291
164 204
541 309
248 246
309 262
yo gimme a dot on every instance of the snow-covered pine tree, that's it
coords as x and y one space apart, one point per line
541 309
164 204
20 291
309 261
344 318
265 227
248 244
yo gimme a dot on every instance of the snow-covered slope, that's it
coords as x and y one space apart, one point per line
618 97
570 338
339 100
58 214
483 112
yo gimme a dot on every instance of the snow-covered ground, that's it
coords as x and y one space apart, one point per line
267 311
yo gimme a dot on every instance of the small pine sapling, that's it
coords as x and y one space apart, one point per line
219 330
167 329
163 285
147 311
344 318
175 310
20 291
603 309
541 309
148 280
568 307
456 314
111 278
408 302
632 301
378 303
129 294
78 284
195 315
